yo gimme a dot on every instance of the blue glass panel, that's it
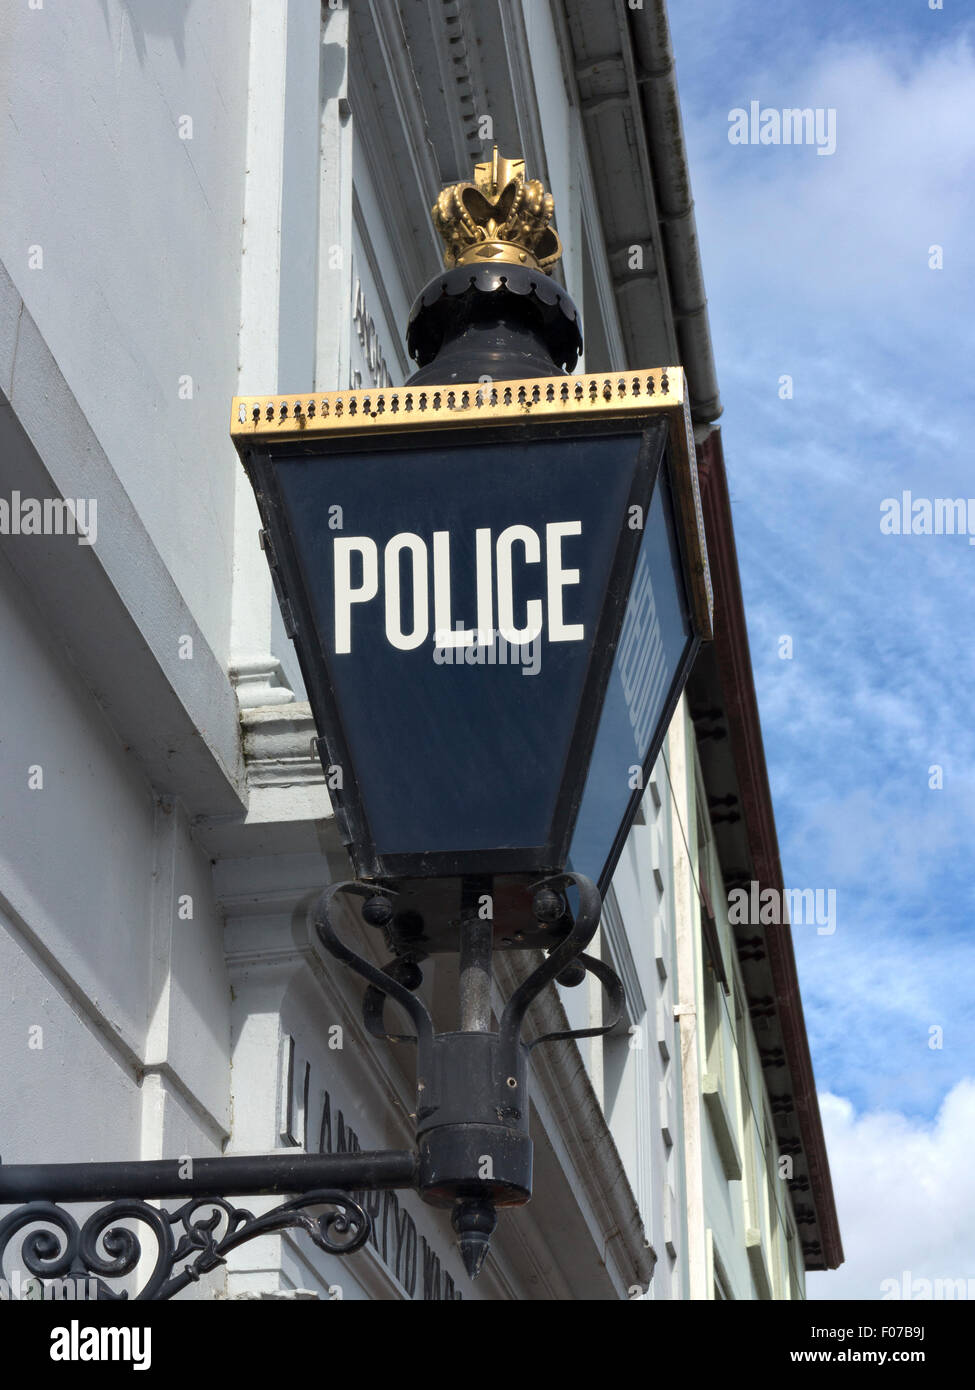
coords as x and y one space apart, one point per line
654 641
458 749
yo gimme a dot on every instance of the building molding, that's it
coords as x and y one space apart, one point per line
590 1153
621 956
400 149
740 712
112 604
255 672
626 88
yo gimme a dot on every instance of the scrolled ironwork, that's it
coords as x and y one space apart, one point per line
580 934
402 969
383 983
198 1235
613 986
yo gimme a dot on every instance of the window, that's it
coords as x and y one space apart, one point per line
722 1285
713 1051
598 356
750 1185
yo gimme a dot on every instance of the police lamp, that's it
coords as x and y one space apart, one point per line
496 582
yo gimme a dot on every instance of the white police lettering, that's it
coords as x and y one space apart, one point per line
358 576
452 637
421 622
506 590
345 594
558 629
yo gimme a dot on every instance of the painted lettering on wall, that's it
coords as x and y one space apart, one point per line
368 335
393 1234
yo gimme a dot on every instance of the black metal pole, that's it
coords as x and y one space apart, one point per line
476 946
206 1177
476 941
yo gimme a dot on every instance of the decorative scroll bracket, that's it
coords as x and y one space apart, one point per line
197 1236
472 1104
190 1236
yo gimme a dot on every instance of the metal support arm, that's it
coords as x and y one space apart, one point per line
196 1237
473 1153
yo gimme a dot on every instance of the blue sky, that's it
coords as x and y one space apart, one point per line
817 267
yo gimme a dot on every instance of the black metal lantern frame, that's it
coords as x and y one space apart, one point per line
650 408
472 1084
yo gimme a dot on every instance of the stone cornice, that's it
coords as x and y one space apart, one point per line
563 1083
278 746
289 810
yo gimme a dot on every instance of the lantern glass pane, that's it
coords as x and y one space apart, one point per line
456 592
655 641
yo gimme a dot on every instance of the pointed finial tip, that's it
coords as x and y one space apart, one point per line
474 1220
473 1251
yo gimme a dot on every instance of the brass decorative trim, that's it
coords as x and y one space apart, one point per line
426 407
259 420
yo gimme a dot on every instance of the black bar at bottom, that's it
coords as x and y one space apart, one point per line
206 1177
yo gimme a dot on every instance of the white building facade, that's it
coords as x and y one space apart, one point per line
203 199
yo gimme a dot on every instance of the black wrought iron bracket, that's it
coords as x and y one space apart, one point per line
473 1153
198 1235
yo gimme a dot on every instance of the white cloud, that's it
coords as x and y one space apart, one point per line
849 232
905 1192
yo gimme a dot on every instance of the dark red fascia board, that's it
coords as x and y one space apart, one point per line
745 733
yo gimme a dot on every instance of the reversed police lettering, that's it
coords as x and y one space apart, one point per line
642 663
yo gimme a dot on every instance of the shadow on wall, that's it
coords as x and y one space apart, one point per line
149 17
333 69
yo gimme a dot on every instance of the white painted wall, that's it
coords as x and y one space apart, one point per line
110 939
139 232
109 942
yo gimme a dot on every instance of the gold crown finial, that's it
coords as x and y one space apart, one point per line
501 216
